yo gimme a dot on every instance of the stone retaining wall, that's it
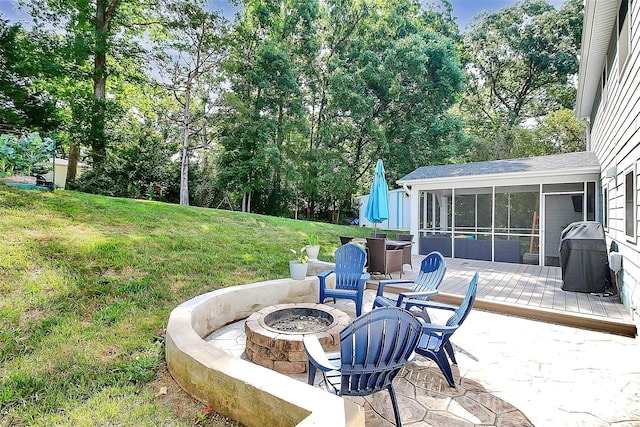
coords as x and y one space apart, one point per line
238 389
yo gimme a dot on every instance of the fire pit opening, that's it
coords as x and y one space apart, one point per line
298 320
274 334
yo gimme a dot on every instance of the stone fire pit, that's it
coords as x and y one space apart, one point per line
274 334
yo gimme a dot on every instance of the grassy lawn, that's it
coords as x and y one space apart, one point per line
87 284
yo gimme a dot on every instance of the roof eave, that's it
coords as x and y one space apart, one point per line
595 170
599 21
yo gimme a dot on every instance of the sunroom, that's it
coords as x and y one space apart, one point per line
504 210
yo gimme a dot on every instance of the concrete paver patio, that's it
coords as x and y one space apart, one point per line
511 372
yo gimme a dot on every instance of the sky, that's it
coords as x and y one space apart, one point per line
463 10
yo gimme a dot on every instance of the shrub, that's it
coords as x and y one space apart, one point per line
20 155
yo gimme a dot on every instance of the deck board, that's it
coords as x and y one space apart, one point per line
536 286
516 281
529 286
502 281
597 306
548 292
559 297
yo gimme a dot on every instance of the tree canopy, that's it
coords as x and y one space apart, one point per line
285 110
521 62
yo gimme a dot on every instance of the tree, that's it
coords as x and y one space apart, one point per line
393 78
192 43
561 132
520 61
428 81
25 60
320 90
98 31
270 48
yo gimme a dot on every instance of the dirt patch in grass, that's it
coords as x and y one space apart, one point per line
127 272
36 314
183 407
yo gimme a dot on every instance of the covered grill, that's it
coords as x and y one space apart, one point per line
583 258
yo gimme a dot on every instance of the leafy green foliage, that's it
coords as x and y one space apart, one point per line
287 111
19 155
312 239
305 124
560 132
270 53
300 255
25 61
102 42
520 62
138 165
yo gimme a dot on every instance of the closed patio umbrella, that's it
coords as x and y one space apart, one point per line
378 204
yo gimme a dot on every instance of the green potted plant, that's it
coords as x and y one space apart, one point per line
298 266
313 247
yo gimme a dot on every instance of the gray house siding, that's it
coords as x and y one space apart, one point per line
614 133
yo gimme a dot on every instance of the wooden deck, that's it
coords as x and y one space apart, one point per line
529 291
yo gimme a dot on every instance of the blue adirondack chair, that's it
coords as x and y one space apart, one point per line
373 350
350 277
423 287
435 338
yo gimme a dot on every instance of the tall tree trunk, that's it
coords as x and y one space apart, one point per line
246 202
276 195
184 169
72 167
97 140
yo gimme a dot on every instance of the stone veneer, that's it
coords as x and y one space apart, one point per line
248 393
284 351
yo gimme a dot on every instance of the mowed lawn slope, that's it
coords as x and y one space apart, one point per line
86 287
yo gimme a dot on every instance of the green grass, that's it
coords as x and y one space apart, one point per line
87 284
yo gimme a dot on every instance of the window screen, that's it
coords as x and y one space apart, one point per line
605 208
629 205
591 201
623 33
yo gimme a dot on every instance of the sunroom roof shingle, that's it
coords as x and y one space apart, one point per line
556 162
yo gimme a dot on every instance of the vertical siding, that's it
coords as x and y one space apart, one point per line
615 138
399 211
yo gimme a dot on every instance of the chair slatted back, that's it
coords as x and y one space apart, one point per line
431 273
350 259
404 237
464 309
374 348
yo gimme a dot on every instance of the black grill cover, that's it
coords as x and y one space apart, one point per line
583 257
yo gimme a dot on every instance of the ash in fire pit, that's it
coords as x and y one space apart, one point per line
274 334
299 320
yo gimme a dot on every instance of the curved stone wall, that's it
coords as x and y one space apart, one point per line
241 390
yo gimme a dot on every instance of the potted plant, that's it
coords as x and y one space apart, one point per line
298 266
313 247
